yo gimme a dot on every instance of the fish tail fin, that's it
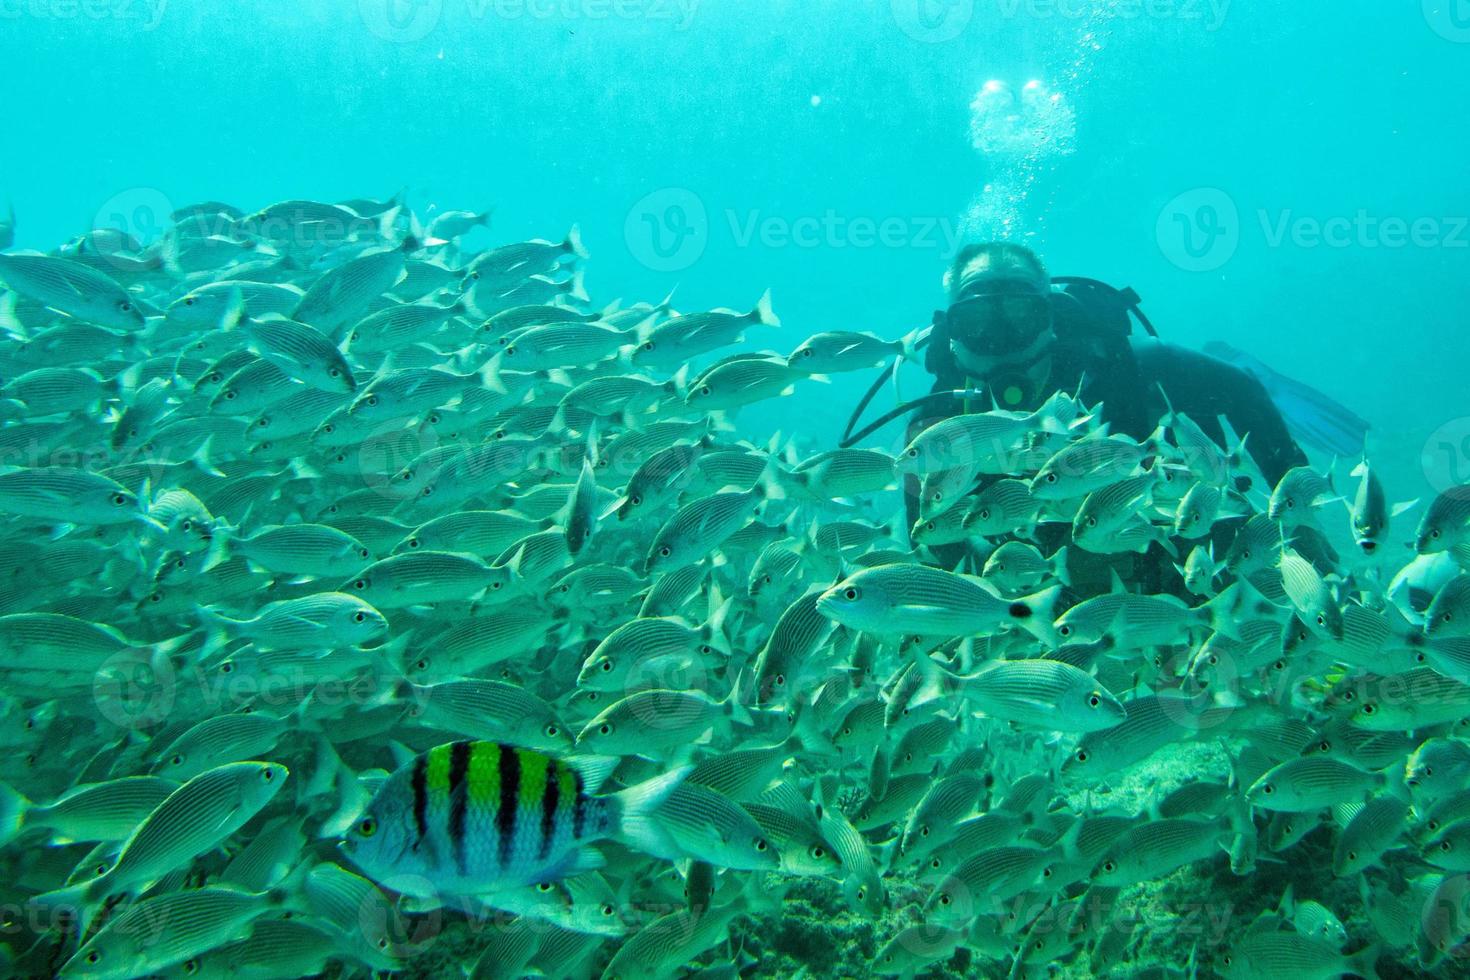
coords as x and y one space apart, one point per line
1219 613
1059 566
13 809
634 812
9 322
218 627
573 243
578 289
1364 962
742 693
490 375
763 313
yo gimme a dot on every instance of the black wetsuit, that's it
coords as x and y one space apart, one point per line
1123 374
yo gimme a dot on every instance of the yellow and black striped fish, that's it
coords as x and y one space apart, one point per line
474 818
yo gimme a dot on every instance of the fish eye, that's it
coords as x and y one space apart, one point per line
1092 522
191 967
119 499
263 421
422 663
186 526
944 899
1268 789
1446 846
665 551
1369 708
1110 866
780 680
1324 746
760 844
647 345
94 957
608 910
704 389
1051 478
230 395
360 584
268 774
334 373
635 500
372 401
413 542
818 851
552 731
188 301
1094 701
367 826
228 667
177 760
607 666
329 428
1081 755
359 617
125 306
1064 630
604 729
850 594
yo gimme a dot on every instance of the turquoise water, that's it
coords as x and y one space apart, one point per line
569 113
1288 181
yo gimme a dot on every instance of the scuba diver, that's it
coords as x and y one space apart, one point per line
1013 338
1009 331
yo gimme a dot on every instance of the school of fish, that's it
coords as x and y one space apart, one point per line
375 604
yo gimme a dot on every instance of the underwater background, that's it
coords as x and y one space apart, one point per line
1290 179
723 147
